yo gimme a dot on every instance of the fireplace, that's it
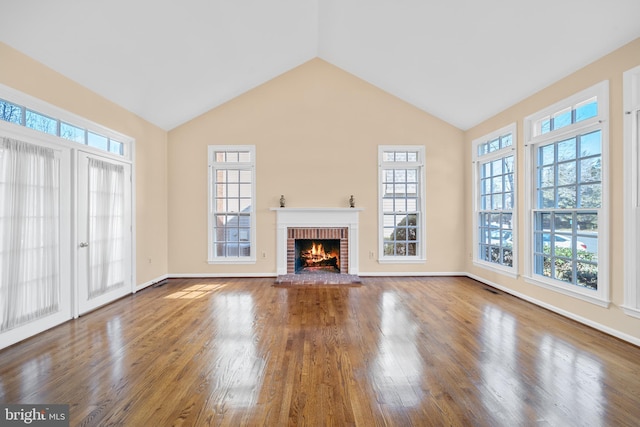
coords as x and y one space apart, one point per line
336 229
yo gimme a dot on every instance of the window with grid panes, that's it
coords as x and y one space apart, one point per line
401 177
495 162
567 157
231 202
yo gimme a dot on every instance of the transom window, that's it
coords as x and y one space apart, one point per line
401 203
567 154
231 201
44 119
495 162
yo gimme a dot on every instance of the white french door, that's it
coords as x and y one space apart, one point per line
104 232
35 291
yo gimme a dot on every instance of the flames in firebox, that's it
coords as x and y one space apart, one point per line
318 256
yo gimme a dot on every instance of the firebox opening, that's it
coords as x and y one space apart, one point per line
317 256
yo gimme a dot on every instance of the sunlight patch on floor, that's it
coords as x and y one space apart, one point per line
194 292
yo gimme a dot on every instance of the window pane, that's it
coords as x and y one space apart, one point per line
547 198
590 144
590 196
587 222
41 123
11 113
97 141
567 197
72 133
567 173
567 150
506 140
587 275
546 155
590 170
547 177
587 110
116 147
562 119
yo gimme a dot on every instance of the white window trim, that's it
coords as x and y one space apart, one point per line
212 258
420 164
512 128
631 105
601 296
22 99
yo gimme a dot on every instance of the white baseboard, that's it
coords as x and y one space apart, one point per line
218 275
151 282
410 274
565 313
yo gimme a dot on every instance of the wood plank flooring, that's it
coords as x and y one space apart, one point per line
393 352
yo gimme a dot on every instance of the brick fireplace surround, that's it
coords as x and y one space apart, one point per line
317 223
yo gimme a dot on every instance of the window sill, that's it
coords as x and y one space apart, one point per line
399 260
510 272
584 295
232 261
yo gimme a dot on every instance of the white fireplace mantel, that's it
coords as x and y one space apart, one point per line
316 217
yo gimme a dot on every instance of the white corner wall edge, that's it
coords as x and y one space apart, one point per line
567 314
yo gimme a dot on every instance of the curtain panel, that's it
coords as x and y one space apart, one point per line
29 233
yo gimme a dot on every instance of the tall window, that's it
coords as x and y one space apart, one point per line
632 191
231 204
567 158
401 178
495 168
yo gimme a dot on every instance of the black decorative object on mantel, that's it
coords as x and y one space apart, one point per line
282 201
352 202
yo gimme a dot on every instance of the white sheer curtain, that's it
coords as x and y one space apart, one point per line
106 227
29 233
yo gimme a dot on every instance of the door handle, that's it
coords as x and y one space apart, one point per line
83 244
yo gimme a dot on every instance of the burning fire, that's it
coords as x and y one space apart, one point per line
316 256
317 251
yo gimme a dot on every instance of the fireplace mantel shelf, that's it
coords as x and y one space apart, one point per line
316 209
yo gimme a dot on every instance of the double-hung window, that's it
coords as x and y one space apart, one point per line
401 183
494 158
231 204
631 87
567 157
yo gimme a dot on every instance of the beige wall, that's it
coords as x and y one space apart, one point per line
26 75
610 67
316 130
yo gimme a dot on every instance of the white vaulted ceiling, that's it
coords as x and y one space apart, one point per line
460 60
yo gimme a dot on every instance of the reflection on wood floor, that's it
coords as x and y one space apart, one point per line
393 352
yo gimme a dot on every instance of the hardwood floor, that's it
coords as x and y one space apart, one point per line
393 352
